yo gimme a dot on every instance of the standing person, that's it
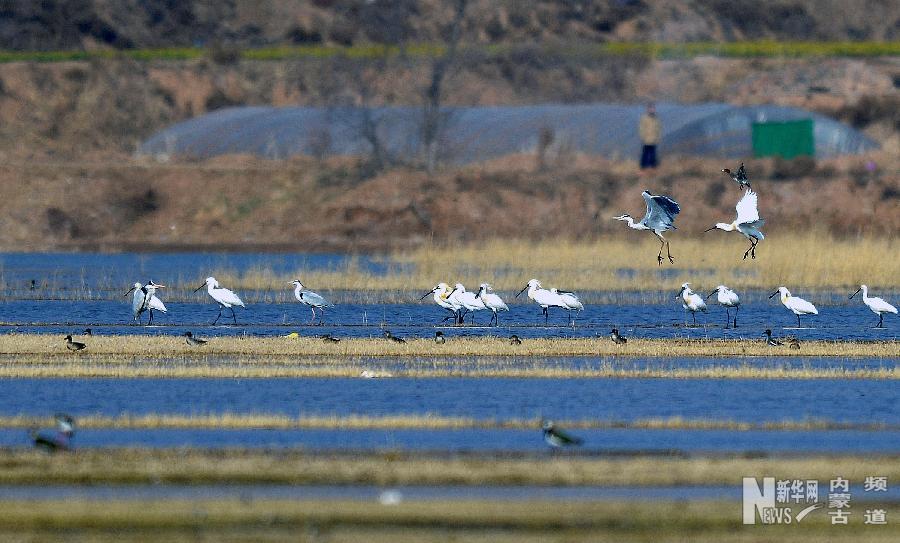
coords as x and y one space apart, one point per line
649 131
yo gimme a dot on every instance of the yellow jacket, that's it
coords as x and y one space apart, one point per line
649 129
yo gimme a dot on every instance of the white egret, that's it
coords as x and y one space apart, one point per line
798 306
570 302
145 299
74 345
747 222
660 217
543 297
877 305
556 438
310 298
739 177
727 298
468 300
691 301
492 302
224 297
441 293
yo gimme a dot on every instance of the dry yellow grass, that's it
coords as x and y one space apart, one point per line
813 260
431 422
199 466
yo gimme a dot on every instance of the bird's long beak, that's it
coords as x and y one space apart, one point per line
427 294
129 291
679 293
855 293
709 229
773 294
201 286
159 286
479 293
523 290
708 296
451 292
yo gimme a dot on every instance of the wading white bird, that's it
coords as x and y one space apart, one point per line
798 306
468 300
310 298
145 299
877 305
441 293
492 302
727 298
660 217
570 302
739 177
543 297
691 301
224 297
747 222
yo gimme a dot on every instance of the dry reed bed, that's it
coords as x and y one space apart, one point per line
156 346
267 421
200 466
801 261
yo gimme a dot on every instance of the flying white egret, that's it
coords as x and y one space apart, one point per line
441 293
727 298
877 305
798 306
570 302
310 298
468 300
543 297
145 299
492 302
660 217
747 222
224 297
739 177
691 301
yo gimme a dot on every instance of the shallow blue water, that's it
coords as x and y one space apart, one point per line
746 400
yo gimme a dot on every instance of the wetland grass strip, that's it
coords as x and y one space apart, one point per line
155 347
296 466
233 421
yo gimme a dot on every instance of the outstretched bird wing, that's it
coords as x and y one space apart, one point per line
746 207
661 211
314 299
156 304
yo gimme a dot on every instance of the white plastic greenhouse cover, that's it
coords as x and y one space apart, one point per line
474 134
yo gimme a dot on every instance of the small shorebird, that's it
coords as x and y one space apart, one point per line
660 217
224 297
439 338
388 335
798 306
691 301
739 177
193 341
74 345
514 340
311 299
772 342
58 440
617 338
556 438
877 305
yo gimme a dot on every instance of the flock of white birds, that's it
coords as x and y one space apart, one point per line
459 302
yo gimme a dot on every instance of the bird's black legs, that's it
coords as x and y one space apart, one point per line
798 321
546 315
752 249
735 315
669 253
217 316
880 320
233 316
151 318
694 316
659 256
313 309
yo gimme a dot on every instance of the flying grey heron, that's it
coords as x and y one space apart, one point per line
660 217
